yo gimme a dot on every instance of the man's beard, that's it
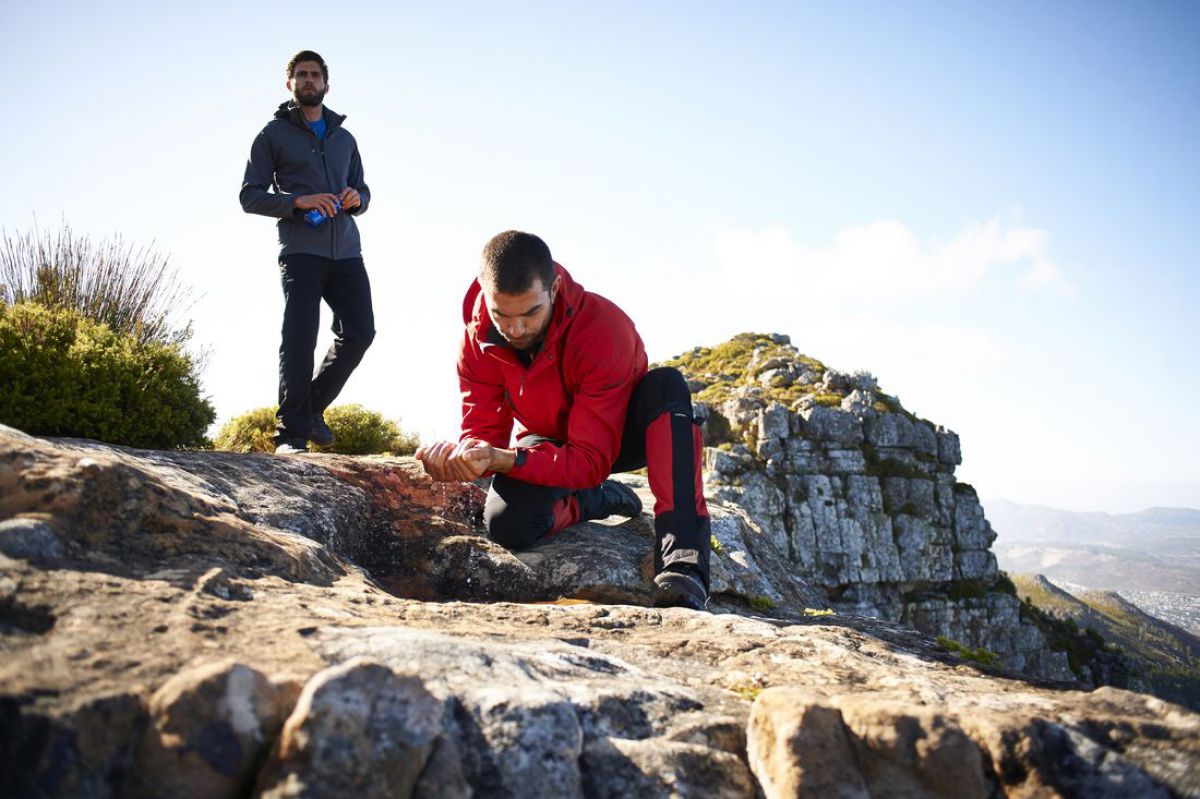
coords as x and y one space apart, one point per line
311 99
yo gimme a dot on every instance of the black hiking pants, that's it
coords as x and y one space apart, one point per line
660 434
343 284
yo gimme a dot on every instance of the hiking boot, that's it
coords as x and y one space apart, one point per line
674 589
321 435
610 498
291 446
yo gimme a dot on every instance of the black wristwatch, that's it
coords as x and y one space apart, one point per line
521 455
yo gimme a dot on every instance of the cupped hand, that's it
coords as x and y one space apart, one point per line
433 458
446 461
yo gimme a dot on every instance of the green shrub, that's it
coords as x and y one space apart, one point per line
967 589
983 657
62 374
747 691
253 431
363 432
761 603
726 367
358 432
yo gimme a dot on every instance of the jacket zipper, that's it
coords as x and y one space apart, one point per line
325 168
332 226
513 407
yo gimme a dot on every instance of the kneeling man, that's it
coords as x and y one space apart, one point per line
568 367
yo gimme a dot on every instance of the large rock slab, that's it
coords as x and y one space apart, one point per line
309 518
192 595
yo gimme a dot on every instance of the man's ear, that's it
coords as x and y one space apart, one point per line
555 286
288 84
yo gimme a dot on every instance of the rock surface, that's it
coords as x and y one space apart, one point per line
358 729
319 625
205 731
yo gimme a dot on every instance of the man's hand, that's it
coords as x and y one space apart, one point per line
350 198
465 461
325 203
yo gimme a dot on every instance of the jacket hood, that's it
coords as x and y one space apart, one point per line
291 110
566 305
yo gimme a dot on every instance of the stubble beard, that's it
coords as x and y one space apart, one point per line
529 342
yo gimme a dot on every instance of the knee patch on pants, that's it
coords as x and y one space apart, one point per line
510 528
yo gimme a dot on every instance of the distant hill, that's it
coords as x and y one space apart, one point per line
1155 550
1099 567
1147 530
1167 656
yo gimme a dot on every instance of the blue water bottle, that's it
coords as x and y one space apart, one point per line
314 217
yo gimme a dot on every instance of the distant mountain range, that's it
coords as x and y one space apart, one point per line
1155 550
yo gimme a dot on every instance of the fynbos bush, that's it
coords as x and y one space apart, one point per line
62 374
253 431
358 431
363 432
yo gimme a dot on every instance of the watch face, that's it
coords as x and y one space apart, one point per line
520 459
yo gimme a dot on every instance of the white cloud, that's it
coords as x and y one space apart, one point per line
886 261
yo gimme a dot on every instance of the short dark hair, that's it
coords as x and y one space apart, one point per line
307 55
512 260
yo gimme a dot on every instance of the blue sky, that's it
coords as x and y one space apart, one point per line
992 207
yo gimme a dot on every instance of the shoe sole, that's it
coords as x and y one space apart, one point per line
679 601
667 596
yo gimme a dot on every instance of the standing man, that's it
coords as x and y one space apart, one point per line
305 171
568 367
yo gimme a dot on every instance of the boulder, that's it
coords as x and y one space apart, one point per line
358 730
831 425
890 430
210 726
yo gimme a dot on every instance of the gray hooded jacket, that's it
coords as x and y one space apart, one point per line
287 159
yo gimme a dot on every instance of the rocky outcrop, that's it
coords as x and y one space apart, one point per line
859 495
205 624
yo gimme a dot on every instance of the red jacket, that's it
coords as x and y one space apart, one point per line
576 390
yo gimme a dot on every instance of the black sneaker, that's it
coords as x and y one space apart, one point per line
291 446
610 498
321 435
677 590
